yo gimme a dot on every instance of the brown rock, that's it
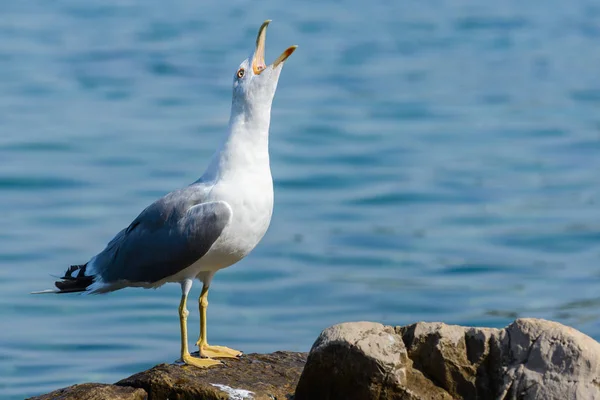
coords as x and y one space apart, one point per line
463 361
362 361
254 376
94 391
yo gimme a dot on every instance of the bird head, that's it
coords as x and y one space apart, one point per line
254 82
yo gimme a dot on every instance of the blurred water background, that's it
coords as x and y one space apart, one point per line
433 160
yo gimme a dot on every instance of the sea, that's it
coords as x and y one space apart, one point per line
433 160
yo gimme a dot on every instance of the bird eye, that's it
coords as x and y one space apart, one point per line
240 73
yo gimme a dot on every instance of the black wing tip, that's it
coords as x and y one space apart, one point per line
79 283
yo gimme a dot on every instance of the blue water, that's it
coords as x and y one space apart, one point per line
433 160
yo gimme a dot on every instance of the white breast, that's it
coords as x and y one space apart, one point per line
252 205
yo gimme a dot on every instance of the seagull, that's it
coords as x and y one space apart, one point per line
213 223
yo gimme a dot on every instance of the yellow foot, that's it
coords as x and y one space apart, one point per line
199 362
217 351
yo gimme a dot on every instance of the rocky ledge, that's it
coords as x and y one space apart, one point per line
529 359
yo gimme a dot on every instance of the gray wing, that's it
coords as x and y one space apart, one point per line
167 237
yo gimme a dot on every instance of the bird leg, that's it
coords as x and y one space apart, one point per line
185 354
204 348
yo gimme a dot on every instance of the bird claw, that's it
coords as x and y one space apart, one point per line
217 351
197 362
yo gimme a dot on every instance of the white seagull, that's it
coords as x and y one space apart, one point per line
209 225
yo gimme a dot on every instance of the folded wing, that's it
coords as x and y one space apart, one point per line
163 240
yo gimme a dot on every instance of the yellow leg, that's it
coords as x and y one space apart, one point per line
185 354
204 348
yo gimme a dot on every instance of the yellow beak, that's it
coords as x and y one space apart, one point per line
258 61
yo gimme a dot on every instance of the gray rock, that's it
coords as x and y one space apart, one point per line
547 360
530 359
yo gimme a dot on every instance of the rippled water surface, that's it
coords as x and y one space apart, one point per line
433 160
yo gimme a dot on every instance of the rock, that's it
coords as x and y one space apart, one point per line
463 361
361 361
254 376
94 391
530 359
547 360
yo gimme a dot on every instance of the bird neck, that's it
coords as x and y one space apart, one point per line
246 145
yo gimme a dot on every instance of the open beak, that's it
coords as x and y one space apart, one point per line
258 61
